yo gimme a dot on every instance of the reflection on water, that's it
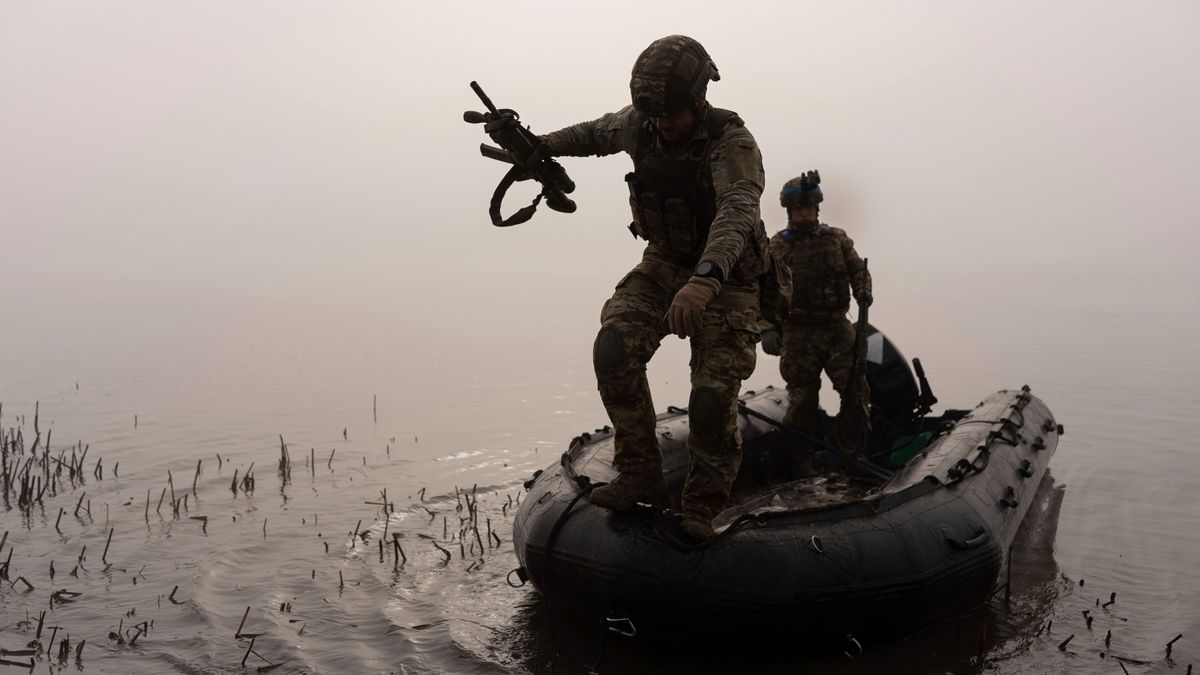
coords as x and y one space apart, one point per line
312 555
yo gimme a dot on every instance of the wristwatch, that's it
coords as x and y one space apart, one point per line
711 271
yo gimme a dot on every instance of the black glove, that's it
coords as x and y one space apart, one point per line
864 297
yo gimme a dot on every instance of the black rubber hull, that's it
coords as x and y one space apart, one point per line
928 546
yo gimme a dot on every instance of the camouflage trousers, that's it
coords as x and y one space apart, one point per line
808 349
723 354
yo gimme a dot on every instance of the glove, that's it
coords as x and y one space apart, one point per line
864 298
770 342
687 308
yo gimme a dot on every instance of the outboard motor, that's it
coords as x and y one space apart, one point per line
897 396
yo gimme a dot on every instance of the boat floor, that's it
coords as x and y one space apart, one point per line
823 489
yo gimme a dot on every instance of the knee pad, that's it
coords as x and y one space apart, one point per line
608 354
705 412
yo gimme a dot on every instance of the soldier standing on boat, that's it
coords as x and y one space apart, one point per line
818 336
695 192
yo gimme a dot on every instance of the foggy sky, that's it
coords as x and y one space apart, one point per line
298 160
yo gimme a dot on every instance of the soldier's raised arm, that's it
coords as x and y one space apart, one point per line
738 180
605 135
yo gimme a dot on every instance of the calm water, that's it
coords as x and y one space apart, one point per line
413 396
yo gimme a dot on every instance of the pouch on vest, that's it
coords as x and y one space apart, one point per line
775 290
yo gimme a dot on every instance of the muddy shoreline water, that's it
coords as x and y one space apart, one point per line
393 410
363 556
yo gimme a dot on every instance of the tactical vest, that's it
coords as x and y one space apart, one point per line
820 280
673 200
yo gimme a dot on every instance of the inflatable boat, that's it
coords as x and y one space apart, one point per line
819 557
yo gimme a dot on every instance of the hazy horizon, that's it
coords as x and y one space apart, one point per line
216 171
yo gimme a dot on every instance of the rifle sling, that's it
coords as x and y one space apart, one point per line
514 175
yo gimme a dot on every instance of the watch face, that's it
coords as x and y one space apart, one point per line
704 269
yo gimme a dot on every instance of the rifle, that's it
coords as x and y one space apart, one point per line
858 368
529 157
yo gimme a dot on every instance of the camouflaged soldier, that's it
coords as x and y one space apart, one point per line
818 336
694 192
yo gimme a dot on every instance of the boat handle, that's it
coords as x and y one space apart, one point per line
1026 470
622 626
521 574
853 642
1010 498
979 539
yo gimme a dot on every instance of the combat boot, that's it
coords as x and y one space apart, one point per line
628 489
697 527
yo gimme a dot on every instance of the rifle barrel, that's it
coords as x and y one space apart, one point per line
484 97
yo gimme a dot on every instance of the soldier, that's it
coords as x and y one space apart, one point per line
695 189
818 335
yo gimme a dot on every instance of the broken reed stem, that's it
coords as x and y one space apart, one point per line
248 650
197 476
444 551
104 556
238 632
399 550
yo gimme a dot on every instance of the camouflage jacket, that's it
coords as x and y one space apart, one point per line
824 267
732 173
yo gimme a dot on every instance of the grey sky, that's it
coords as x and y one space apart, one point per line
303 154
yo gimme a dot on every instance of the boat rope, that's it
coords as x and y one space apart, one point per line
557 529
665 524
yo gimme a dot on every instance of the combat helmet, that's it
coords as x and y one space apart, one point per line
672 73
803 190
